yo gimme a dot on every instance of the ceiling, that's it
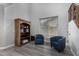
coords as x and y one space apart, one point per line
5 4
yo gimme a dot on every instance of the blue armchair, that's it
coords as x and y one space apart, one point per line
58 42
39 39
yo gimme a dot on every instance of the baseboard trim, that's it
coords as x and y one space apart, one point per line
5 47
73 52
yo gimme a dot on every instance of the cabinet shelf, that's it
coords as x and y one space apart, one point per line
22 29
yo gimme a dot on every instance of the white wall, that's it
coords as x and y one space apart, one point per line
10 13
50 9
1 26
74 37
33 12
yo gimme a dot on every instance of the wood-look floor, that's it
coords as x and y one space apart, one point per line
31 49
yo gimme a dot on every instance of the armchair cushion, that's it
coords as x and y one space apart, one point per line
58 42
39 39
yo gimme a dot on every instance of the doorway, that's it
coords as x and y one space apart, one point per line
49 26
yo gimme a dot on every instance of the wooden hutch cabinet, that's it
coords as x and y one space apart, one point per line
22 32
